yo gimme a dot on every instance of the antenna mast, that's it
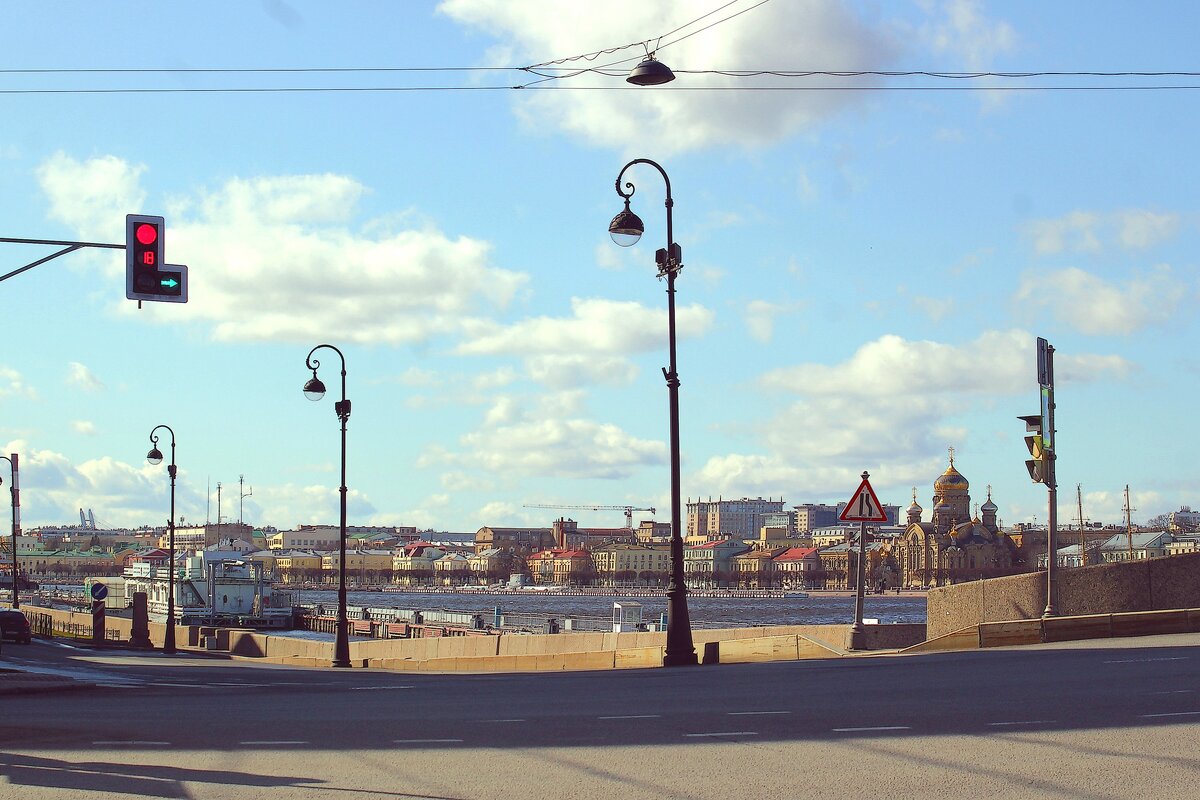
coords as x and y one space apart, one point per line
1128 522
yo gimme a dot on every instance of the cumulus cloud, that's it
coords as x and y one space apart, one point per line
760 318
548 436
1094 232
13 385
280 261
80 376
590 346
961 29
84 427
1095 306
828 33
894 401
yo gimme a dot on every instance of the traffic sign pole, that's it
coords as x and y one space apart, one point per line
863 507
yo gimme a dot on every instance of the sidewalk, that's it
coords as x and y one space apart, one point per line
13 681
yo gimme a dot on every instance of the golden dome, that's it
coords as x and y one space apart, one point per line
951 480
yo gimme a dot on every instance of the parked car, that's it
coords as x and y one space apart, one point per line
14 625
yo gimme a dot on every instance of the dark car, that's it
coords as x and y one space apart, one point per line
15 626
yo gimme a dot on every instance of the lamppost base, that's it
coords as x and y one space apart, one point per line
680 660
856 639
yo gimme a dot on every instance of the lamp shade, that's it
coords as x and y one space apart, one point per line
314 389
650 72
154 456
626 228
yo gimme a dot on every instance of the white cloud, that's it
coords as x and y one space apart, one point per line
894 403
1097 307
826 32
591 346
79 375
271 259
13 385
961 29
1142 229
760 318
547 436
84 427
1094 232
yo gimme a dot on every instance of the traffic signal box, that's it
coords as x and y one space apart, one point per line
1036 443
146 276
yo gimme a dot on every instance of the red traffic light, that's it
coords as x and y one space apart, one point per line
146 234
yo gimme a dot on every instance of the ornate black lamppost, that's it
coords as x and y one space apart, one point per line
155 456
626 228
315 390
14 489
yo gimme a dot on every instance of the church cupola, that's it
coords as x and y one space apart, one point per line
914 511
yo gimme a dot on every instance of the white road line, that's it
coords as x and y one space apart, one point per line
131 743
1023 722
874 728
267 743
1146 660
1172 714
634 716
723 733
180 685
426 741
756 713
1175 691
502 720
375 688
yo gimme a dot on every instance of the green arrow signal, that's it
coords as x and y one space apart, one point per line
170 283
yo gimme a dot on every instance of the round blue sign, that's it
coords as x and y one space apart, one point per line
99 591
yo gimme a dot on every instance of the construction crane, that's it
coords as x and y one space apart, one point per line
627 509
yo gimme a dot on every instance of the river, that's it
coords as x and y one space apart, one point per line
705 612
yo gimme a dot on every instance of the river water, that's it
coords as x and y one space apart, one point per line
705 612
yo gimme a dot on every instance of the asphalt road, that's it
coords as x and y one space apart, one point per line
1109 719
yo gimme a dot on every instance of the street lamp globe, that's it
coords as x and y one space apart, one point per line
155 456
626 228
650 72
314 389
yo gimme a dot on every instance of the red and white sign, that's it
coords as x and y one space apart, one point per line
864 506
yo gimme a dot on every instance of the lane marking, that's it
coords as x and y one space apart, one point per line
130 743
1175 691
265 743
427 741
1147 660
502 720
874 728
634 716
1024 722
1172 714
180 685
375 688
723 733
756 713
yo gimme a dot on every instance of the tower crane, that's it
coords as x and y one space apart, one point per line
589 507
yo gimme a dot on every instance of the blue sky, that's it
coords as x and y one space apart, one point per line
866 269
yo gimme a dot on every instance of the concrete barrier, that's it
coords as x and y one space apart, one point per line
964 639
753 651
1006 634
1146 623
1066 629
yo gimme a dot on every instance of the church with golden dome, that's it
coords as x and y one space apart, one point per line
954 545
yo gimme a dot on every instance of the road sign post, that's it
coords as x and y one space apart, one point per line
863 507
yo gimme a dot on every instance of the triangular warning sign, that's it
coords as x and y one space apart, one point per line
864 506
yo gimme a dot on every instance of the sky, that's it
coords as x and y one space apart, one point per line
868 259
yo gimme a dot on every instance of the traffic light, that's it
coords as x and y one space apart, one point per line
143 256
146 276
1038 465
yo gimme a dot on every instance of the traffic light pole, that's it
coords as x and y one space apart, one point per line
68 247
1052 493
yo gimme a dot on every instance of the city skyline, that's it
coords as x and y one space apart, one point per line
865 270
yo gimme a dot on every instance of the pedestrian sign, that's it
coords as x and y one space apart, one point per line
864 506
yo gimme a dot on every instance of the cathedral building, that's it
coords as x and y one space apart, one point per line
954 545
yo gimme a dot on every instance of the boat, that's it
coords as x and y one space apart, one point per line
796 594
210 588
